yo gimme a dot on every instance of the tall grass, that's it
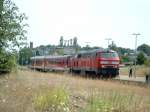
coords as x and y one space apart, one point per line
55 100
113 102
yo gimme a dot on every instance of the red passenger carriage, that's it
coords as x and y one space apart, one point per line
50 63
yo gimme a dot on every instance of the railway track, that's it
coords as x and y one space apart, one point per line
123 79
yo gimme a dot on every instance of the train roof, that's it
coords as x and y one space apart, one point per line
50 56
96 50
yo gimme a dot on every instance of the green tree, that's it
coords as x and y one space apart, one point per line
12 33
144 48
24 56
7 61
11 26
141 58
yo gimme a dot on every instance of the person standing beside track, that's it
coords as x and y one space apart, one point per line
130 72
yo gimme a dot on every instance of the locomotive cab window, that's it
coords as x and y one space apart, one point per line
107 55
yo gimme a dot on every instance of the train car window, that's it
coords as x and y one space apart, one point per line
38 62
55 61
49 61
85 55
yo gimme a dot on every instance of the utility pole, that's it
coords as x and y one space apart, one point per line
136 35
108 39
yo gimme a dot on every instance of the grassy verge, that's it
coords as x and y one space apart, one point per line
114 102
54 100
57 100
29 91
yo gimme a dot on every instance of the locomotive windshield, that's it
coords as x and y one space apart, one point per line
108 55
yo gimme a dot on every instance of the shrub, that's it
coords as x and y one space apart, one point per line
7 62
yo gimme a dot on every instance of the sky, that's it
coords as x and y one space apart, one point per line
89 20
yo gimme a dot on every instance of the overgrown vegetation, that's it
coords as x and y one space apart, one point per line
113 102
55 100
30 91
12 33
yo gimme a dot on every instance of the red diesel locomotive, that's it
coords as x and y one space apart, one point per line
100 62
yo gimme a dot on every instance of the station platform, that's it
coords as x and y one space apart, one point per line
133 78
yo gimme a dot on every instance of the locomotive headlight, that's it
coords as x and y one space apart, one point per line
104 62
115 63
